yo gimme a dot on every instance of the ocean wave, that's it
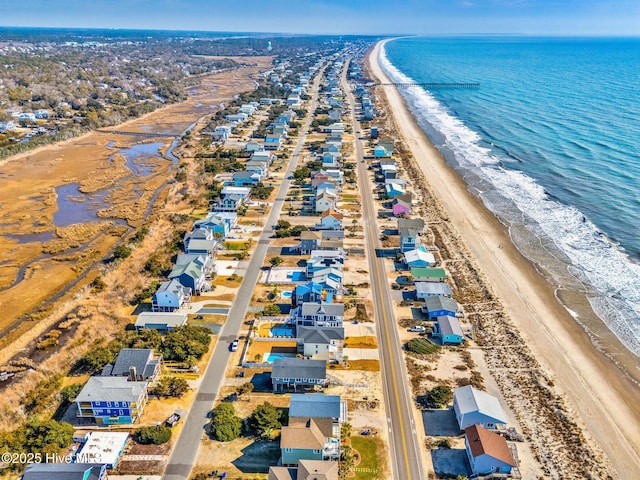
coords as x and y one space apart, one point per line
592 258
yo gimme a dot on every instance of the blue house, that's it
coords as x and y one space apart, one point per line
246 178
438 306
214 223
112 400
487 452
449 330
409 239
393 189
309 292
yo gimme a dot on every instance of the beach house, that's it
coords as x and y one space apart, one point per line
409 239
246 178
428 274
475 407
313 432
108 447
449 331
137 364
439 306
418 257
170 296
306 470
112 400
161 321
431 289
321 343
192 275
400 206
298 375
318 314
330 220
487 452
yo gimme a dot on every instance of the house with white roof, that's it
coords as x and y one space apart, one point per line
475 407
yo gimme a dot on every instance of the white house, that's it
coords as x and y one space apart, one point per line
474 407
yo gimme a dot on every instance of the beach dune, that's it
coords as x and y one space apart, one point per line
606 402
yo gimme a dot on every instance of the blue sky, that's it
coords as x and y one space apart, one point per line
550 17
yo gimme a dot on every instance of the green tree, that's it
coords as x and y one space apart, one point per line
169 386
154 435
264 419
438 397
271 310
345 430
121 251
225 425
346 463
275 261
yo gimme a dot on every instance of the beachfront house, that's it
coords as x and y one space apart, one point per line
253 147
137 364
393 189
428 274
321 259
273 142
437 306
475 407
306 470
418 257
246 178
400 207
416 224
432 289
321 343
298 375
170 296
308 292
318 314
449 331
409 239
112 400
487 452
161 321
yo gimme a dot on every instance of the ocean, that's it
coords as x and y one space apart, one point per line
550 142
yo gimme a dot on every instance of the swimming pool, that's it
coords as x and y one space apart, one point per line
271 357
297 276
280 331
287 294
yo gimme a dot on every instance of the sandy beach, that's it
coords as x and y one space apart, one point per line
601 399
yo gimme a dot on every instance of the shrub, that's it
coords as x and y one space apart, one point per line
225 425
437 397
155 435
122 251
169 386
271 310
422 346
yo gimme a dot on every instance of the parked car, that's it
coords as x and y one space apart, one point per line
234 346
418 329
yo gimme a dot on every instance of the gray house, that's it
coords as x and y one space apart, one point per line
321 343
161 321
298 375
65 471
320 314
138 364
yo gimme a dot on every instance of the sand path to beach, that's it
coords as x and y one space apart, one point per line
608 403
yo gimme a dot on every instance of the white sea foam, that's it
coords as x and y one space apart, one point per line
594 260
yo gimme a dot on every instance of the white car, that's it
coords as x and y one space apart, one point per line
234 346
418 329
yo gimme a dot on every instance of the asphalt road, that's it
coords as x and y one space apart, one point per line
406 463
185 451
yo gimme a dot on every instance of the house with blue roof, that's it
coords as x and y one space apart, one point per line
213 223
313 432
393 189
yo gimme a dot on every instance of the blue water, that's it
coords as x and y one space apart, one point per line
137 154
287 294
282 331
271 357
77 207
550 143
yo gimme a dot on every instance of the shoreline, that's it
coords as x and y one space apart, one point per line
588 378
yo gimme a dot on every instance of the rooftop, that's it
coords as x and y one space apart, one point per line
468 399
484 442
